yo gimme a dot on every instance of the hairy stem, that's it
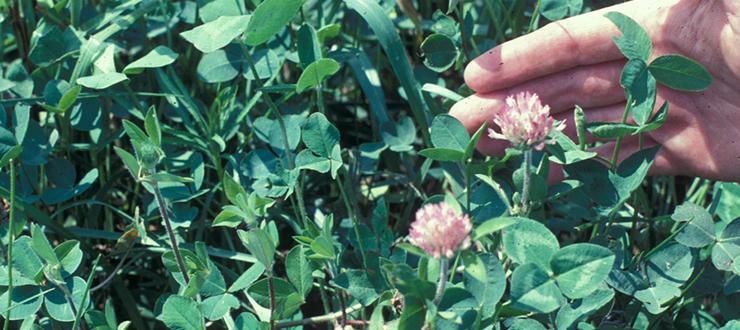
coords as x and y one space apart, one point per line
525 182
168 226
319 319
618 142
443 269
283 132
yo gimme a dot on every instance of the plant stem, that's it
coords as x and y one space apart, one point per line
618 142
535 15
83 302
353 216
168 226
525 182
320 98
11 239
443 269
283 132
319 319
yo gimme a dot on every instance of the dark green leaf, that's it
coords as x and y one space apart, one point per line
635 42
680 73
449 133
315 73
156 58
699 228
533 290
216 34
529 241
443 155
581 268
269 18
439 52
181 313
557 9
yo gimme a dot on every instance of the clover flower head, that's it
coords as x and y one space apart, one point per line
525 122
440 230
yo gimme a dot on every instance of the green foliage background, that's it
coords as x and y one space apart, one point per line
246 164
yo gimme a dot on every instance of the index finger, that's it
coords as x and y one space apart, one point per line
561 45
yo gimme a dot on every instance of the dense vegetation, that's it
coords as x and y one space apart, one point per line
246 164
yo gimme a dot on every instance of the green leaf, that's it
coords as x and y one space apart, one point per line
319 135
286 298
156 58
385 31
299 270
558 9
58 305
680 73
69 255
529 241
25 260
443 155
309 49
102 80
42 247
727 246
727 199
635 42
232 189
259 243
657 122
699 228
533 290
641 85
26 301
484 277
306 160
608 130
151 125
632 171
315 73
581 268
230 216
269 18
358 284
655 297
367 76
69 98
565 151
581 309
216 34
247 278
180 313
216 307
413 314
439 52
449 133
470 149
494 225
671 265
132 165
399 136
323 248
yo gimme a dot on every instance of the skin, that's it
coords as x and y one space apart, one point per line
574 61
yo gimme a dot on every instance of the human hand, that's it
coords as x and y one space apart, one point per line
574 61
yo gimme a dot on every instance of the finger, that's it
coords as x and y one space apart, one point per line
594 86
576 41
